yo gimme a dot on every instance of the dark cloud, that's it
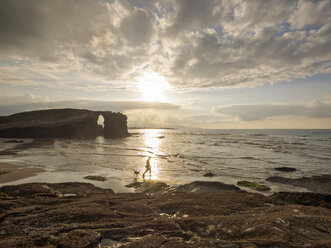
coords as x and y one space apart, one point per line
94 36
193 15
40 27
138 27
253 112
193 43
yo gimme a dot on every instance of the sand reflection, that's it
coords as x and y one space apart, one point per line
99 149
153 139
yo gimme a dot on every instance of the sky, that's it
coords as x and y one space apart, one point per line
171 63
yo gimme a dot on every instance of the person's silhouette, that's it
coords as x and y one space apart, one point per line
148 168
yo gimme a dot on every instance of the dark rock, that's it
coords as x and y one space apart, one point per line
13 141
134 184
96 178
317 184
115 125
4 196
285 169
148 186
153 187
63 123
253 185
52 195
190 220
4 172
160 137
303 198
80 238
206 186
31 189
209 174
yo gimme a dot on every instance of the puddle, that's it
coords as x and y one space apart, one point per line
109 243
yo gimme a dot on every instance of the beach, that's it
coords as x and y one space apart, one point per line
196 214
165 124
179 156
207 189
10 172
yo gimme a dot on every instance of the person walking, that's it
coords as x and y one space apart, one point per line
148 168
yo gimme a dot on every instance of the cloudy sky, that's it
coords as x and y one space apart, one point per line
171 63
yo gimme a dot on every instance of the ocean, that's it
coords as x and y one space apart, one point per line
178 156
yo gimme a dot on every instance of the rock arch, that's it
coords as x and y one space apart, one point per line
63 123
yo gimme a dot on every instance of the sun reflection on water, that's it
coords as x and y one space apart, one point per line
153 139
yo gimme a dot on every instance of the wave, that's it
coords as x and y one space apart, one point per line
258 134
298 143
249 158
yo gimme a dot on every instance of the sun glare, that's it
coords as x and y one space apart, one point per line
152 87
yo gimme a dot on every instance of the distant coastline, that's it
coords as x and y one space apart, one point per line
167 128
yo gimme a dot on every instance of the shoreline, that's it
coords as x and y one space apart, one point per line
10 172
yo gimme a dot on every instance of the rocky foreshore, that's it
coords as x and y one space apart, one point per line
82 215
318 184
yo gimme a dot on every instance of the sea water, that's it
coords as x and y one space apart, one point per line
178 156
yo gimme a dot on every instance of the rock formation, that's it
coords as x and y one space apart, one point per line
63 123
317 184
81 215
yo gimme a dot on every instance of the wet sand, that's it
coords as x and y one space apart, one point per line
10 172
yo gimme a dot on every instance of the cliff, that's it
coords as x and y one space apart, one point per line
63 123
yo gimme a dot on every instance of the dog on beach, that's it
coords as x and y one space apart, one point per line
136 173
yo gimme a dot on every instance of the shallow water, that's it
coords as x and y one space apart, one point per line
178 156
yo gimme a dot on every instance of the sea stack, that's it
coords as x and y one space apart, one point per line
63 123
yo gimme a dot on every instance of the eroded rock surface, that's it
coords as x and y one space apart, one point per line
206 186
303 198
253 185
30 189
317 184
151 187
63 123
222 219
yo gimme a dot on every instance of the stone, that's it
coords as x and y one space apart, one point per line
96 178
80 238
133 185
4 196
317 184
45 195
30 189
153 187
63 123
223 219
209 174
4 172
148 186
303 198
285 169
205 186
253 185
13 141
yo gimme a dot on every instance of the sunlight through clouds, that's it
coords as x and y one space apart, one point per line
166 60
152 87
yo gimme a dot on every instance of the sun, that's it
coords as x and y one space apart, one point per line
152 87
